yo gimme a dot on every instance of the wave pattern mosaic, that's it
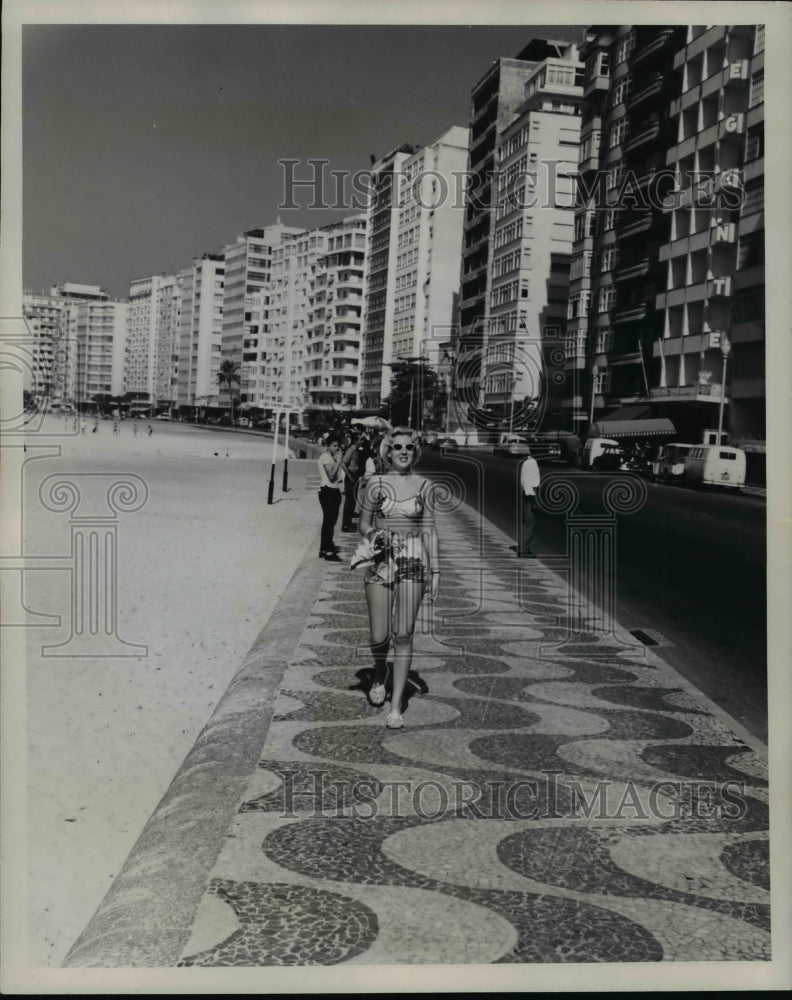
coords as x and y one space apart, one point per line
553 797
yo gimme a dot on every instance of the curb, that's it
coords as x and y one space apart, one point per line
146 916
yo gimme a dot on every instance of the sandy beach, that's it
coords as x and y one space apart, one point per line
201 567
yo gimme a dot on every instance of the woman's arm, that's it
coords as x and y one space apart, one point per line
431 540
331 468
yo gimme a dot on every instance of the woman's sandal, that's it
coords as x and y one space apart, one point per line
377 694
394 720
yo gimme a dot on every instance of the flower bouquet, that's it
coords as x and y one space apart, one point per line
375 549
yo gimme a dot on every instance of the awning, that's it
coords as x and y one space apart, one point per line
633 412
659 427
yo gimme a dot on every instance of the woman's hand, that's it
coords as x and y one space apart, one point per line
435 586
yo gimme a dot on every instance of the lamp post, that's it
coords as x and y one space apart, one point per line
594 373
725 351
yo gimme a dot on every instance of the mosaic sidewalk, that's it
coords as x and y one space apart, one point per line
552 798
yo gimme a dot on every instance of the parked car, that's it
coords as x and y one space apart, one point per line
669 466
443 444
715 465
519 445
610 459
593 449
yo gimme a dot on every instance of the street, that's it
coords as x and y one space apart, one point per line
690 566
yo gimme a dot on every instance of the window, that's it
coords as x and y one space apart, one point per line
610 219
584 225
624 46
750 251
749 305
754 144
759 39
607 298
621 90
757 89
604 340
614 176
617 133
578 305
609 259
754 197
602 382
590 147
580 266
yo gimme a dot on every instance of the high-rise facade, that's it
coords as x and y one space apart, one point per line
667 283
528 270
415 217
713 259
331 363
494 102
43 319
151 343
246 309
380 293
200 331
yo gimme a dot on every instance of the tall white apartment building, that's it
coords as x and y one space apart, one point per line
152 339
246 308
331 364
200 331
79 341
416 218
43 319
532 240
95 331
382 228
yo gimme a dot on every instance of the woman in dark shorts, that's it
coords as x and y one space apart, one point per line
400 549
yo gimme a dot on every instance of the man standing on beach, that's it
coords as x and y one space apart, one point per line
529 483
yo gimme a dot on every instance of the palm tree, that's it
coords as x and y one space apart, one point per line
229 376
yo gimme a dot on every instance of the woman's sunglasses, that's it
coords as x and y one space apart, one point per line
399 447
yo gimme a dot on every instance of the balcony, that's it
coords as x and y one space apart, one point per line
597 83
647 134
633 271
639 225
654 88
630 314
695 393
654 48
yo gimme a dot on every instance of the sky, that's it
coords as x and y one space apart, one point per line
147 145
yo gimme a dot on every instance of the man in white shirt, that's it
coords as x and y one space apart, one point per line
529 483
331 474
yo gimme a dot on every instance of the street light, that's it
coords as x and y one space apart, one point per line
725 347
594 373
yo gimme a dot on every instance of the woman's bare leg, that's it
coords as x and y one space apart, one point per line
380 600
407 600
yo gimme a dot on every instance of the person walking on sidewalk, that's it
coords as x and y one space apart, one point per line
400 546
529 483
331 474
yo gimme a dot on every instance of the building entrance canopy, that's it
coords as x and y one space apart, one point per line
620 429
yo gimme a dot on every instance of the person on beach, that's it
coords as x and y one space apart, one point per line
331 474
399 548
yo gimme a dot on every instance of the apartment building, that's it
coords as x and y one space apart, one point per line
43 320
382 227
79 341
331 363
528 273
151 357
714 289
494 103
629 88
200 332
95 332
246 309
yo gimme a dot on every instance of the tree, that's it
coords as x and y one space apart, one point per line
228 376
413 383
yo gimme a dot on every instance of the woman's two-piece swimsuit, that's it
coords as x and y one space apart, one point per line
402 517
